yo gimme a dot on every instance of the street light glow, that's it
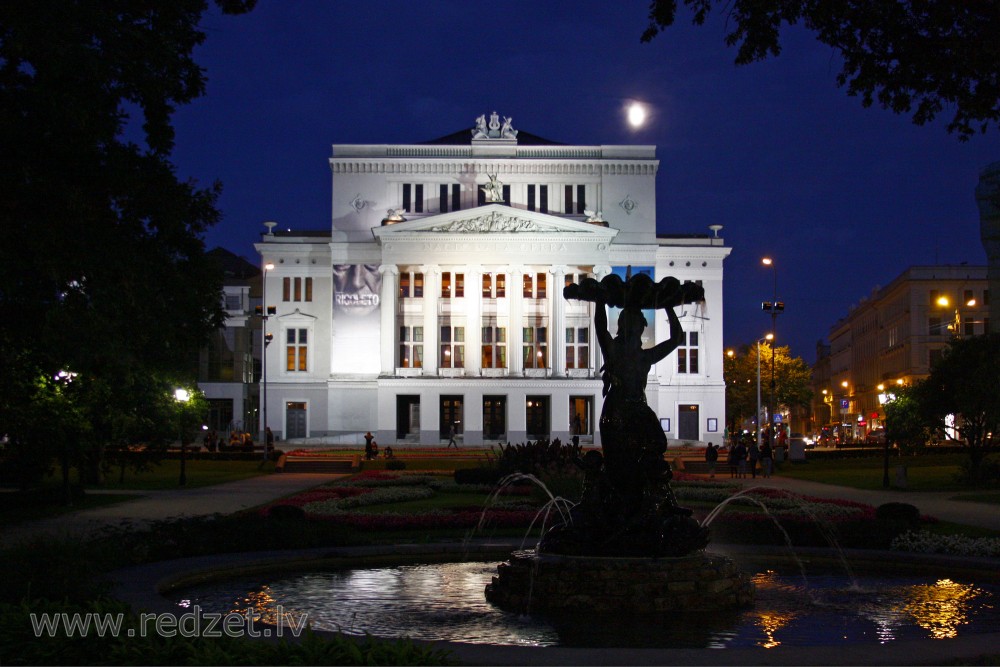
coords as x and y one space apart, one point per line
269 267
766 261
182 395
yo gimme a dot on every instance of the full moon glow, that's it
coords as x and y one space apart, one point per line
636 114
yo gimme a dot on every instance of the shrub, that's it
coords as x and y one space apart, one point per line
902 513
488 476
395 464
286 513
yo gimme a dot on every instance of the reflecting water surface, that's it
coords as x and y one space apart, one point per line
446 602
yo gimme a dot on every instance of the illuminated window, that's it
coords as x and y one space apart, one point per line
534 346
577 347
411 347
296 350
687 353
411 285
296 289
452 347
494 285
494 347
534 286
452 285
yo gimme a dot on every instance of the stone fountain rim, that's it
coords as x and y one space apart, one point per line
144 588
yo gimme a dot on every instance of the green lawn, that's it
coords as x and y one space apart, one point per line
927 472
199 472
989 497
12 511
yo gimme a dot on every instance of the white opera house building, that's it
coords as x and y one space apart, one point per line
434 303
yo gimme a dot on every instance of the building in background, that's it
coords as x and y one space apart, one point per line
229 366
893 337
434 304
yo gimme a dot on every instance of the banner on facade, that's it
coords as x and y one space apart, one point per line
356 318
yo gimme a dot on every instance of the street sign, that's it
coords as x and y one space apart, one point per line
844 403
777 419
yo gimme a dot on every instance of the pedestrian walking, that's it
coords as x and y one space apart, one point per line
711 457
451 440
753 455
740 457
766 459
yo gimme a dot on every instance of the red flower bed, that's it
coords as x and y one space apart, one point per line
324 493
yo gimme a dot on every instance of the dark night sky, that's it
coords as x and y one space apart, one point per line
843 197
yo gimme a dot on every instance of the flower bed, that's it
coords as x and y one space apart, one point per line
956 545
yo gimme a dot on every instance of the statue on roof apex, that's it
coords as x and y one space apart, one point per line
507 132
494 129
479 132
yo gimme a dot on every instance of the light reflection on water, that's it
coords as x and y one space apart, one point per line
446 602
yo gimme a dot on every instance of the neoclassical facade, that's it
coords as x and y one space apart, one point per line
434 304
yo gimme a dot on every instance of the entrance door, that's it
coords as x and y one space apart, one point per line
451 414
407 417
494 417
687 422
295 420
580 415
537 416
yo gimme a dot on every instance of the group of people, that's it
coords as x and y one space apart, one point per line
371 448
744 456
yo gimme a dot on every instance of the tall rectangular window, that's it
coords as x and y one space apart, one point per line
577 347
581 199
534 346
934 326
967 297
538 198
494 285
535 285
454 197
413 197
687 353
296 289
411 285
296 350
411 347
494 347
452 347
452 285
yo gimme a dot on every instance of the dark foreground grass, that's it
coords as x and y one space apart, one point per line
926 472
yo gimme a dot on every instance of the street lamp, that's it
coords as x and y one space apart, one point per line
182 396
265 337
774 307
768 337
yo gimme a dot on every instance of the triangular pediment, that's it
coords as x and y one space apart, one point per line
493 219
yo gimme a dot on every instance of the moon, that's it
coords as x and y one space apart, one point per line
636 115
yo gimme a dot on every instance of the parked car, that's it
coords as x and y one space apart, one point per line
797 439
876 436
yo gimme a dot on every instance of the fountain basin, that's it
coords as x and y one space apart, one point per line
530 582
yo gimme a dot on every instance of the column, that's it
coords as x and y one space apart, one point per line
515 290
599 272
387 310
557 337
432 287
473 320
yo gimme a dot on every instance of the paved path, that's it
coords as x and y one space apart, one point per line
166 504
235 496
936 504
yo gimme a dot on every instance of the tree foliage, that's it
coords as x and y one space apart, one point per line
905 422
102 267
965 383
911 56
792 379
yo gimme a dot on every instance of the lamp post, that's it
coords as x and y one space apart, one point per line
182 396
265 339
774 307
768 337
